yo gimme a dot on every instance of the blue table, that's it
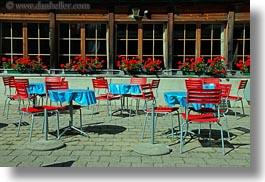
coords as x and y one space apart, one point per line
36 88
81 96
173 98
122 89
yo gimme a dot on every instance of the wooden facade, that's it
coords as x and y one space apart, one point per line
165 29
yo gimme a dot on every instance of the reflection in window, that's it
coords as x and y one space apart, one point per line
241 42
69 39
11 40
95 41
38 41
184 43
212 38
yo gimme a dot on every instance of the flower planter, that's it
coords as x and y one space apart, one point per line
246 73
189 73
13 71
71 72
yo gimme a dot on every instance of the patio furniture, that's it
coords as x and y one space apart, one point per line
240 90
22 94
155 85
147 95
83 97
203 97
102 84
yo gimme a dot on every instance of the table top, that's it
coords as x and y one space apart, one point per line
81 96
123 88
36 88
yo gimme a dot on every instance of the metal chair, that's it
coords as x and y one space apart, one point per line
147 95
155 85
241 88
203 97
102 84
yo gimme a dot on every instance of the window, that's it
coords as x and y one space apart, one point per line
153 36
184 43
212 40
241 42
38 41
127 40
96 42
11 40
69 41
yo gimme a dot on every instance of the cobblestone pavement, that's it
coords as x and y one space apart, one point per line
111 143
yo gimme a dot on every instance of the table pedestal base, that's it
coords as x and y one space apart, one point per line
152 149
68 128
44 145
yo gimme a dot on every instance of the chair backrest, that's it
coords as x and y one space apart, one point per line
147 92
6 83
138 80
225 90
25 81
56 85
53 79
100 84
155 83
204 96
100 78
242 84
21 90
215 81
197 84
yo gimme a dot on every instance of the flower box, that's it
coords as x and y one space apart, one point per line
246 73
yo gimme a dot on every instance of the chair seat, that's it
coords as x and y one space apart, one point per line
209 117
234 98
163 109
108 97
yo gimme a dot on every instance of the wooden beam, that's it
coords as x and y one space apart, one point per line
111 43
198 40
53 42
25 40
83 40
168 63
140 40
230 35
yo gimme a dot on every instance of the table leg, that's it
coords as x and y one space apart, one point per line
71 126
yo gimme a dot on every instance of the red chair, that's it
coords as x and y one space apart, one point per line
210 80
5 82
63 85
22 94
16 97
203 97
102 84
155 85
147 95
192 83
241 88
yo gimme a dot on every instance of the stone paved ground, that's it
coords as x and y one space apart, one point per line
111 143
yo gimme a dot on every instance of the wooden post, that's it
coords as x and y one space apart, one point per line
25 40
230 25
198 40
168 63
110 63
53 42
83 41
140 40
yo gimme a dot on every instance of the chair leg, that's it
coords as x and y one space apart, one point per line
81 119
227 127
242 107
57 124
31 127
146 116
19 123
4 110
172 125
222 138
